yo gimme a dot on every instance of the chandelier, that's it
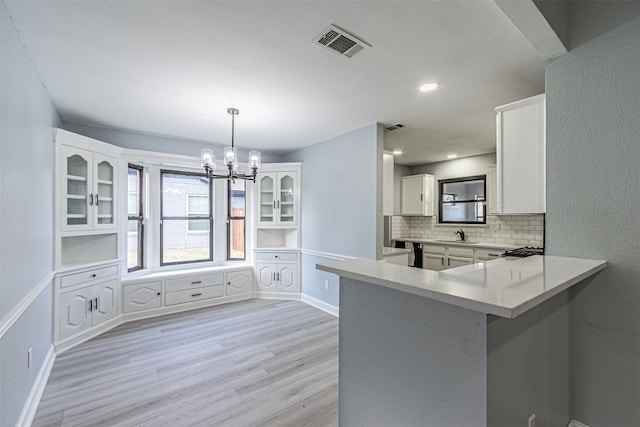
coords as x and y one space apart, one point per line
230 158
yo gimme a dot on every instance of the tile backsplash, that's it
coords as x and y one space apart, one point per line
521 230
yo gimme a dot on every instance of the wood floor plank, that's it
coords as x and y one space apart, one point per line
256 362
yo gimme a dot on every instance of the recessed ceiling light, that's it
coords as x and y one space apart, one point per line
397 152
452 156
428 86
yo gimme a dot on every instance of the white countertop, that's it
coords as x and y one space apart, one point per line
485 245
505 287
386 251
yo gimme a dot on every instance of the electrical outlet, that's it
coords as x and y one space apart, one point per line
326 285
495 227
532 420
29 357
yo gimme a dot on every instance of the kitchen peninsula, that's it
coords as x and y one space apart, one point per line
481 345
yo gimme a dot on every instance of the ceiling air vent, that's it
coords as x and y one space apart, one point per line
340 42
393 127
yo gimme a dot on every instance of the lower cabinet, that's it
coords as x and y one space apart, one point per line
279 274
86 307
458 256
441 257
433 257
239 282
141 296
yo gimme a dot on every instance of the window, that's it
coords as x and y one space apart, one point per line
463 200
236 214
186 219
135 224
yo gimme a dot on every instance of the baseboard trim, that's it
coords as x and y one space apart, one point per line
12 317
33 399
574 423
319 304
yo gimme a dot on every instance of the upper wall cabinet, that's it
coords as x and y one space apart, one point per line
88 193
279 198
417 195
520 148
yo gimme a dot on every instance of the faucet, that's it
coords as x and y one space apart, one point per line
461 233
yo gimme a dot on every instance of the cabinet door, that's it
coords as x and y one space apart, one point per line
458 262
239 282
105 301
287 198
433 262
287 278
74 312
412 195
266 274
141 296
104 192
75 180
267 199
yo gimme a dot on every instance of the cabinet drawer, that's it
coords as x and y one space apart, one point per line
433 249
458 251
277 256
87 276
487 254
186 283
197 294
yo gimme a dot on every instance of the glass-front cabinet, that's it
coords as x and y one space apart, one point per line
88 189
278 198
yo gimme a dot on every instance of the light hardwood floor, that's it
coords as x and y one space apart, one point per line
257 362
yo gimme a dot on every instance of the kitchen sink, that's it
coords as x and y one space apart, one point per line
466 242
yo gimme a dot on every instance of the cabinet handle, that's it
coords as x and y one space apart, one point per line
158 294
97 200
278 277
93 275
90 305
278 204
95 303
494 254
442 259
90 199
421 196
276 256
274 204
196 295
274 277
196 283
448 262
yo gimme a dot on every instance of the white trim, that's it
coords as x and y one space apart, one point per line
33 399
329 255
574 423
319 304
7 322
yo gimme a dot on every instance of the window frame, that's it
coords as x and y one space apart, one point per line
139 217
441 203
231 217
210 218
189 214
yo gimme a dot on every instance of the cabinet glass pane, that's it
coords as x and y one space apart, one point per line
105 193
76 190
286 199
267 198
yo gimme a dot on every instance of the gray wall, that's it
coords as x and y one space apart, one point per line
157 143
457 168
590 19
593 176
341 210
26 209
387 338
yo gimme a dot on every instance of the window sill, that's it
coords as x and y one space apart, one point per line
159 273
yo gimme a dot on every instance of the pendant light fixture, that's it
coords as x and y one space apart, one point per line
230 158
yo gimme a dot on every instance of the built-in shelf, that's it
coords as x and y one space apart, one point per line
76 197
75 216
277 238
77 178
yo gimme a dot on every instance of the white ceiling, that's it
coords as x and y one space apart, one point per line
173 67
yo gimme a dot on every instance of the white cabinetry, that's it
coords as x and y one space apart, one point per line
88 193
417 195
277 272
439 257
279 198
520 152
239 282
85 299
142 296
193 288
433 257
